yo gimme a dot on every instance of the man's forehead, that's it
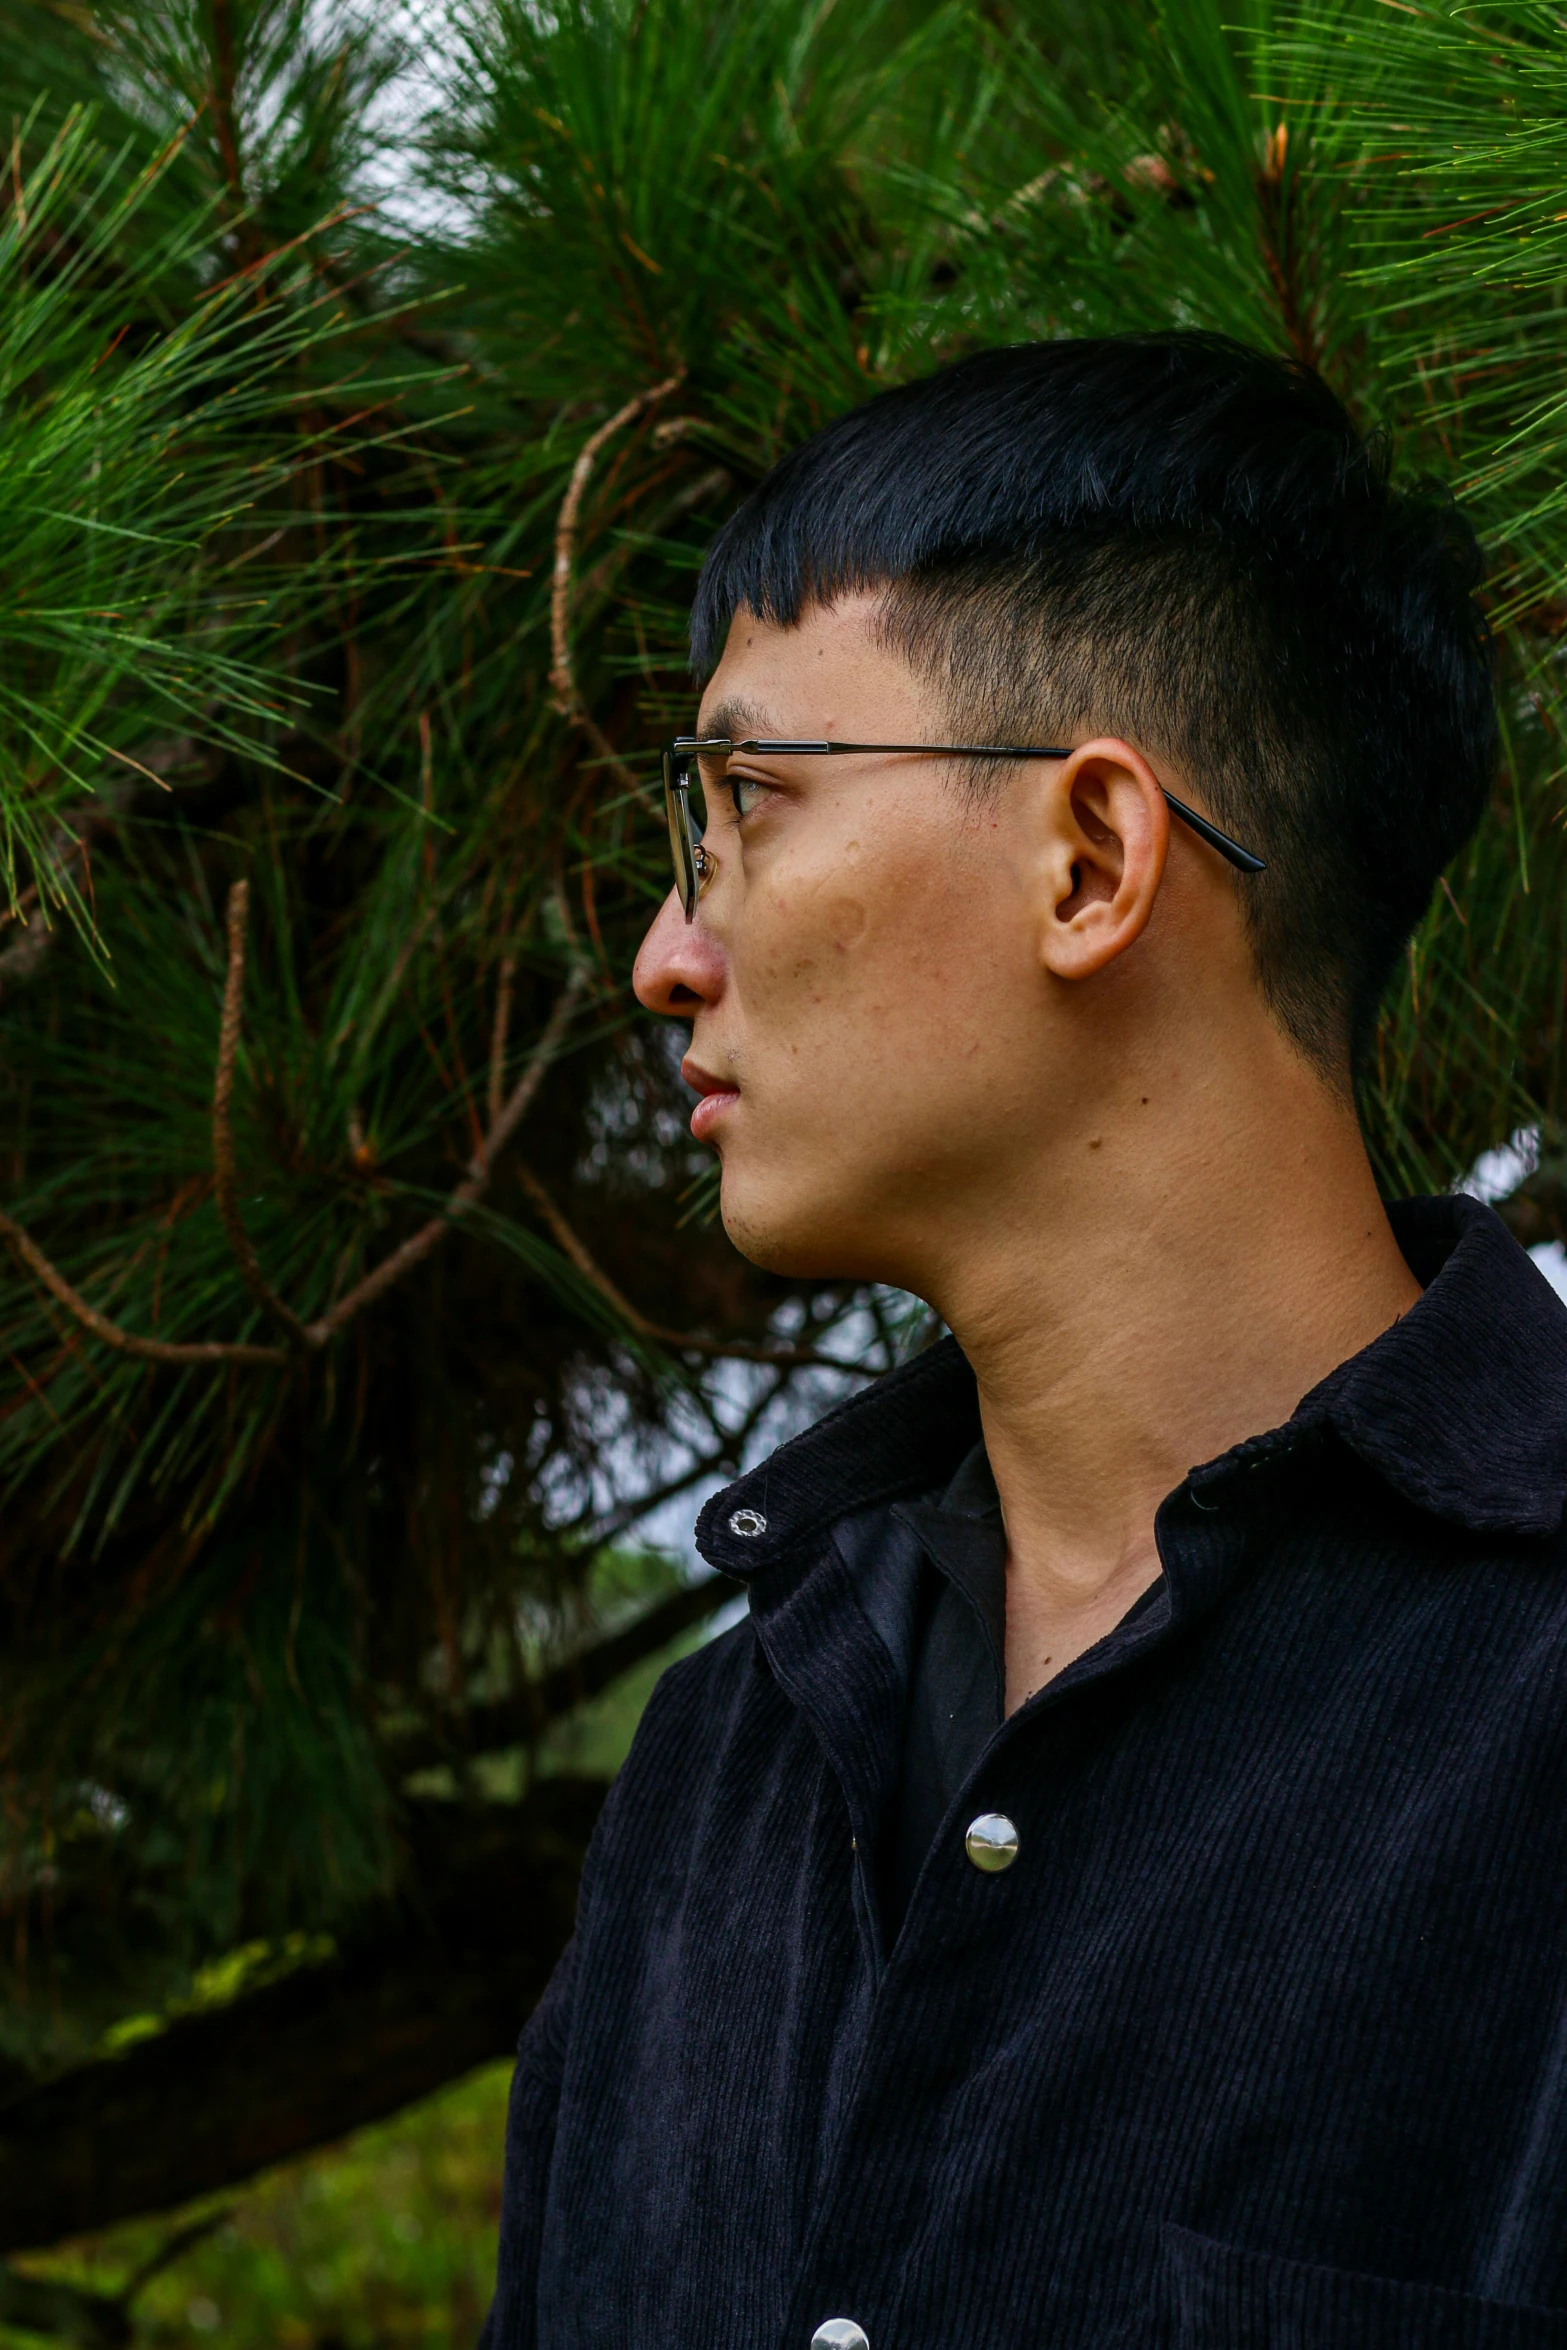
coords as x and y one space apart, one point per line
768 665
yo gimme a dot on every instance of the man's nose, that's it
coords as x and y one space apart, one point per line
679 964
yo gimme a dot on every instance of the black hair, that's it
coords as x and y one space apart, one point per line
1188 542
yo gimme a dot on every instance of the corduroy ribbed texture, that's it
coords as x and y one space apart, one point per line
1261 2043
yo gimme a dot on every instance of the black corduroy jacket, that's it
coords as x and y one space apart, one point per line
1259 2044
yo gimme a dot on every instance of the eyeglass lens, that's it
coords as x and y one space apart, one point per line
690 781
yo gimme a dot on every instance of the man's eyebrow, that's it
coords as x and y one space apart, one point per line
739 722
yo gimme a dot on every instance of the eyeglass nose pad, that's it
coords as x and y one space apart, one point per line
706 866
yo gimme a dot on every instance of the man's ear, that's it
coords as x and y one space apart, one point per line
1104 833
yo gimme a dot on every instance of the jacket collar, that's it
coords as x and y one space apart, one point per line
903 1435
1460 1407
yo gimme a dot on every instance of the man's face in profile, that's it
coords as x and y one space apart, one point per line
882 1026
849 1012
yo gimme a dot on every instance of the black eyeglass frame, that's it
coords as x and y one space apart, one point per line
689 856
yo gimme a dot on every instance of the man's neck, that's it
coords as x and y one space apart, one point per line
1147 1309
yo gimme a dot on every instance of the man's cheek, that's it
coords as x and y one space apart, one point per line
781 966
848 922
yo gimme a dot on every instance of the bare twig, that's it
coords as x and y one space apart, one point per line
724 1457
576 1250
563 679
685 500
315 1335
475 1181
146 1350
224 1167
793 1358
498 1035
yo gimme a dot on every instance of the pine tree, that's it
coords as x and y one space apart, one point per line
362 1287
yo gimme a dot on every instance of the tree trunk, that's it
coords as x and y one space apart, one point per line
446 1984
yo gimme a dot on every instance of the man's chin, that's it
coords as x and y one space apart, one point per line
805 1247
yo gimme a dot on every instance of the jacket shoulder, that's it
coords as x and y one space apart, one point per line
689 1725
698 1692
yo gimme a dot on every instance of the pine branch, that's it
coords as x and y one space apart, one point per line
725 1456
519 1720
475 1181
312 1336
145 1350
734 1350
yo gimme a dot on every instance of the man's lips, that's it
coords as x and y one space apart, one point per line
718 1095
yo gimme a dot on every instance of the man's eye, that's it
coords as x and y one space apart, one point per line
746 791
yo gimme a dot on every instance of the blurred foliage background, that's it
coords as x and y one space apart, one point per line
371 382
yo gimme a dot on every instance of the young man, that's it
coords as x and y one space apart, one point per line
1095 1899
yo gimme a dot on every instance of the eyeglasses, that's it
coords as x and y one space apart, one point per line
697 764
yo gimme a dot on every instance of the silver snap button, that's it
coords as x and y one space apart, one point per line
991 1842
840 2333
748 1523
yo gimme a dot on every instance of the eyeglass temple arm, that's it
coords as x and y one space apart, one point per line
1242 859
